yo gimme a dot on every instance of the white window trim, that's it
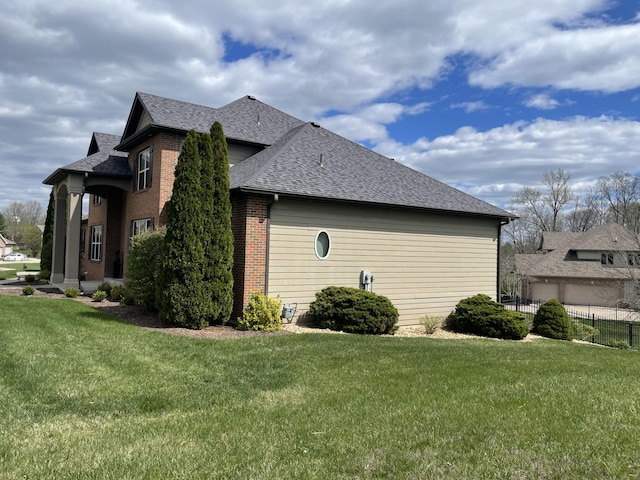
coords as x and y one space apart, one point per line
144 173
141 226
315 245
95 252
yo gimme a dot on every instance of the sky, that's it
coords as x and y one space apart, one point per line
483 95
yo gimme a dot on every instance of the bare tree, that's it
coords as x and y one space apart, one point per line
621 193
586 214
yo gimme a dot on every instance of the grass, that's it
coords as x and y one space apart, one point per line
13 267
86 396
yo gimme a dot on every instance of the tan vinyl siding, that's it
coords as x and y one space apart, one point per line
425 263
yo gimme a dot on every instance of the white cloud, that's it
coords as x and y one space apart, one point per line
542 101
471 107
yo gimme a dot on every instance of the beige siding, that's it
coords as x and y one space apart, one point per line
424 263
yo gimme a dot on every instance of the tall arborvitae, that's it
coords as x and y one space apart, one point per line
181 296
47 236
207 208
222 244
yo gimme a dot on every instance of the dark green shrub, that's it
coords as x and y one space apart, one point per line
105 287
28 290
30 278
142 267
99 296
71 292
44 275
353 310
118 292
262 313
479 315
552 321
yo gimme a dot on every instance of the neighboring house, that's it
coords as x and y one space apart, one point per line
6 246
598 267
310 209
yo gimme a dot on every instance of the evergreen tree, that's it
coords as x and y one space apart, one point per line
3 224
222 243
181 295
208 212
46 257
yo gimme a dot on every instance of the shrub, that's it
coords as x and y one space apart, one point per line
584 332
622 345
105 287
44 275
142 267
353 310
118 292
552 321
30 278
262 313
28 290
431 324
479 315
128 298
99 296
71 292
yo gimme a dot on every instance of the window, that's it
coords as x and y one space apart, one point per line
323 245
141 226
143 169
606 259
96 243
97 199
633 259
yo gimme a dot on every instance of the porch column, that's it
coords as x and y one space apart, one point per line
66 248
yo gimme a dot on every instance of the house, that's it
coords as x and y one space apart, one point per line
6 245
598 267
310 209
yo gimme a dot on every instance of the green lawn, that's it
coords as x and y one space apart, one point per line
86 396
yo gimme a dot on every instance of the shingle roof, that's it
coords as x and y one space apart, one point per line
106 161
246 119
563 261
553 240
314 162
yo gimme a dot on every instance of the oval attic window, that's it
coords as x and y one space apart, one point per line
323 245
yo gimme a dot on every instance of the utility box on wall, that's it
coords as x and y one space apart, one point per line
366 280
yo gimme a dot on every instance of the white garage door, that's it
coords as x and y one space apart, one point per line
604 295
545 291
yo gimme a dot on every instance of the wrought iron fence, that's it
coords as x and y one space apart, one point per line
616 327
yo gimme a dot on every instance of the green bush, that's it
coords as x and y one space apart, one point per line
44 275
552 321
431 324
105 287
142 267
28 290
118 293
584 332
71 292
30 278
479 315
99 296
262 313
622 345
353 310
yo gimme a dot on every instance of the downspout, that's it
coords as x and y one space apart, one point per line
503 222
268 242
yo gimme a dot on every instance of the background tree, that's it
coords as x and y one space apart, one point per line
620 194
19 215
3 224
181 296
47 236
222 243
32 239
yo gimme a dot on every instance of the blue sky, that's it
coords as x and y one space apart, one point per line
484 95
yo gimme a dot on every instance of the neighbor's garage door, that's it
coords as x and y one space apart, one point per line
604 295
545 291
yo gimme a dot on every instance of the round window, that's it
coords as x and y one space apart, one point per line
323 245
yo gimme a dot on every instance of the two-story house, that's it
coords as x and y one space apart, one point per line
310 209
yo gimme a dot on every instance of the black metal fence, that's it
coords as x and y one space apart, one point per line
616 327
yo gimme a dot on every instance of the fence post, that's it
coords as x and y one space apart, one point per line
630 334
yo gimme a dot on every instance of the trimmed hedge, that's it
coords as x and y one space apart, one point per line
353 310
479 315
552 321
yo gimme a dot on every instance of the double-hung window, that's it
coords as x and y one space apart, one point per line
142 226
96 243
143 169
